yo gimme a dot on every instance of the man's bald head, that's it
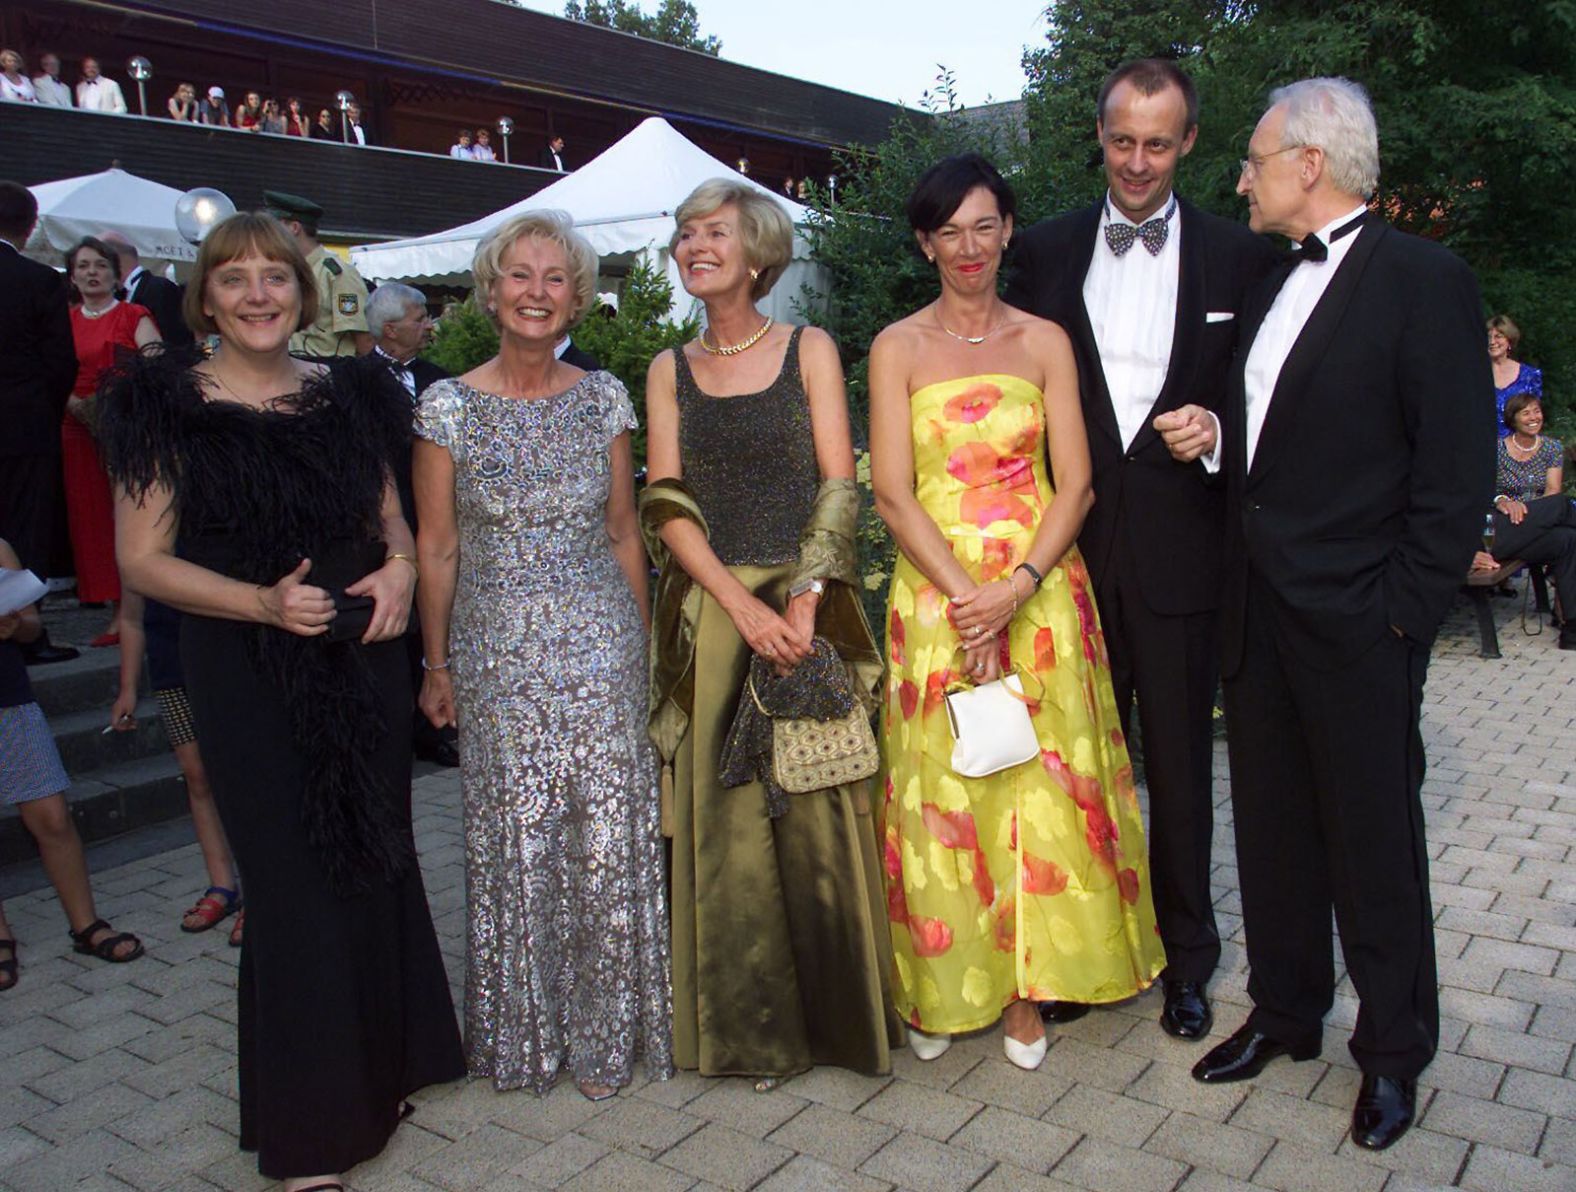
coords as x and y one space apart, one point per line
123 248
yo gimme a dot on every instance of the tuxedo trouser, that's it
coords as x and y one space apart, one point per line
32 507
1547 534
1170 664
1326 781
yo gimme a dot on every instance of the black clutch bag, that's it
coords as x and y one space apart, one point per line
341 566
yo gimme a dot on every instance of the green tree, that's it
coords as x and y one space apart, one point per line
675 22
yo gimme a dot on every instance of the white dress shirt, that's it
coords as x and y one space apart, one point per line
1132 305
400 369
1284 322
463 152
483 153
52 91
358 134
21 91
100 95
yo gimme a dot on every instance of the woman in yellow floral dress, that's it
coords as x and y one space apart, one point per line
1029 885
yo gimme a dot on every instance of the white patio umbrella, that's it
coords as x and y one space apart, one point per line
141 210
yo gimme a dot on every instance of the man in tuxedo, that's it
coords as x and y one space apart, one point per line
38 366
401 328
98 93
159 295
572 353
47 84
1359 452
355 131
552 157
1149 289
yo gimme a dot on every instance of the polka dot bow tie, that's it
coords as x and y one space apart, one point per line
1119 237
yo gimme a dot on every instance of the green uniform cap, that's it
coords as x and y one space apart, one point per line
287 206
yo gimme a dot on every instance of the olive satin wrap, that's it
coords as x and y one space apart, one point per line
826 552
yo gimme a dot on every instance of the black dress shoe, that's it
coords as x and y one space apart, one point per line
442 752
1061 1013
43 652
1243 1056
1384 1111
1186 1014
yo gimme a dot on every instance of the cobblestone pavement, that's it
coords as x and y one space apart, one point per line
117 1076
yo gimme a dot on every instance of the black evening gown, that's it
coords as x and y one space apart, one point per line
344 1004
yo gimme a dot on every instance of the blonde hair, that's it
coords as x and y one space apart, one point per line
1506 326
764 227
242 235
557 227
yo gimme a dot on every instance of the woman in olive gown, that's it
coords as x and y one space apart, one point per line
780 956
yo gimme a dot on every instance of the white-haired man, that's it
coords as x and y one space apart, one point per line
1358 449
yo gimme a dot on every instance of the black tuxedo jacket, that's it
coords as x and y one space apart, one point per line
580 358
424 373
1171 514
38 361
1376 458
162 298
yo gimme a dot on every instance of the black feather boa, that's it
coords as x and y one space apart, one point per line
255 492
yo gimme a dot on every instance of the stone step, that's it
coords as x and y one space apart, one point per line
91 681
86 748
106 802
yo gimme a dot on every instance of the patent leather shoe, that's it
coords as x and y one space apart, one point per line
43 652
1384 1111
1061 1013
1244 1055
1186 1014
442 751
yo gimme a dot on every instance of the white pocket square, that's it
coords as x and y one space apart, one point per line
1219 316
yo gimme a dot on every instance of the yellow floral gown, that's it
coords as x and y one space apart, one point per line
1031 883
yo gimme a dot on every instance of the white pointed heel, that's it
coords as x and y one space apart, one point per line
1027 1056
928 1047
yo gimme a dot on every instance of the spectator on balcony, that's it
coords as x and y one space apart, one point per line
483 150
273 119
553 156
462 147
183 105
214 110
14 83
297 122
358 134
249 114
97 93
323 127
48 85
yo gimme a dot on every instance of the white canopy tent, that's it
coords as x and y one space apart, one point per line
142 211
622 201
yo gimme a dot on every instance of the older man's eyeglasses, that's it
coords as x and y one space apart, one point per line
1251 164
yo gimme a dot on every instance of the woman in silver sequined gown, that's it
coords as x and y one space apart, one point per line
524 490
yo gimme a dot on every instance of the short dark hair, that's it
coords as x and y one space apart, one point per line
94 245
1515 404
18 211
1151 76
941 190
238 237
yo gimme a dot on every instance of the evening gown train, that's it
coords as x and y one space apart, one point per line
344 1004
1031 883
780 957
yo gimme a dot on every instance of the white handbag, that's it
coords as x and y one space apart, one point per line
991 729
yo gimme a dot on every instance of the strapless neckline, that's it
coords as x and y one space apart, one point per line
973 377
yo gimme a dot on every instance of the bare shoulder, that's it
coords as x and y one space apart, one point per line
818 343
1037 334
897 338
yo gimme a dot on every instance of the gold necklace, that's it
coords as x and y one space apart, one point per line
742 345
975 340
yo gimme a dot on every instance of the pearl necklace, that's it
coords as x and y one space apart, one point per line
742 345
1537 441
98 314
975 340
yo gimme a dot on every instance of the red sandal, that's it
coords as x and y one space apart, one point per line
215 905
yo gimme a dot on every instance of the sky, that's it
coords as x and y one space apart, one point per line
888 49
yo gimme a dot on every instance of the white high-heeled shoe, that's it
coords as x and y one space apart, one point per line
928 1047
1027 1056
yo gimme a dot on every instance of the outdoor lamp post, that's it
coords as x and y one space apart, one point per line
831 186
744 165
198 211
344 99
505 127
141 69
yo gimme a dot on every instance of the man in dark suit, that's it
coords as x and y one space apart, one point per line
1149 288
38 366
552 156
571 353
1359 453
160 296
401 328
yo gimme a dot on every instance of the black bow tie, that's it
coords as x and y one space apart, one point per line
1119 237
1311 248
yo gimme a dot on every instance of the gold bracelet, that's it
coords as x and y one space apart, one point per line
405 558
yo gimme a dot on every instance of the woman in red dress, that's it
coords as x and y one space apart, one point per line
101 326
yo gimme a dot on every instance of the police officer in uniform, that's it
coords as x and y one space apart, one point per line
341 326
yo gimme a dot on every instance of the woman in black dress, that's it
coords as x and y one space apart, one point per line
254 496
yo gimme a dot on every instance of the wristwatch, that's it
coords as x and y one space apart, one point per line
818 586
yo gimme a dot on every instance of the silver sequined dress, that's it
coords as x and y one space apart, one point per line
567 957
